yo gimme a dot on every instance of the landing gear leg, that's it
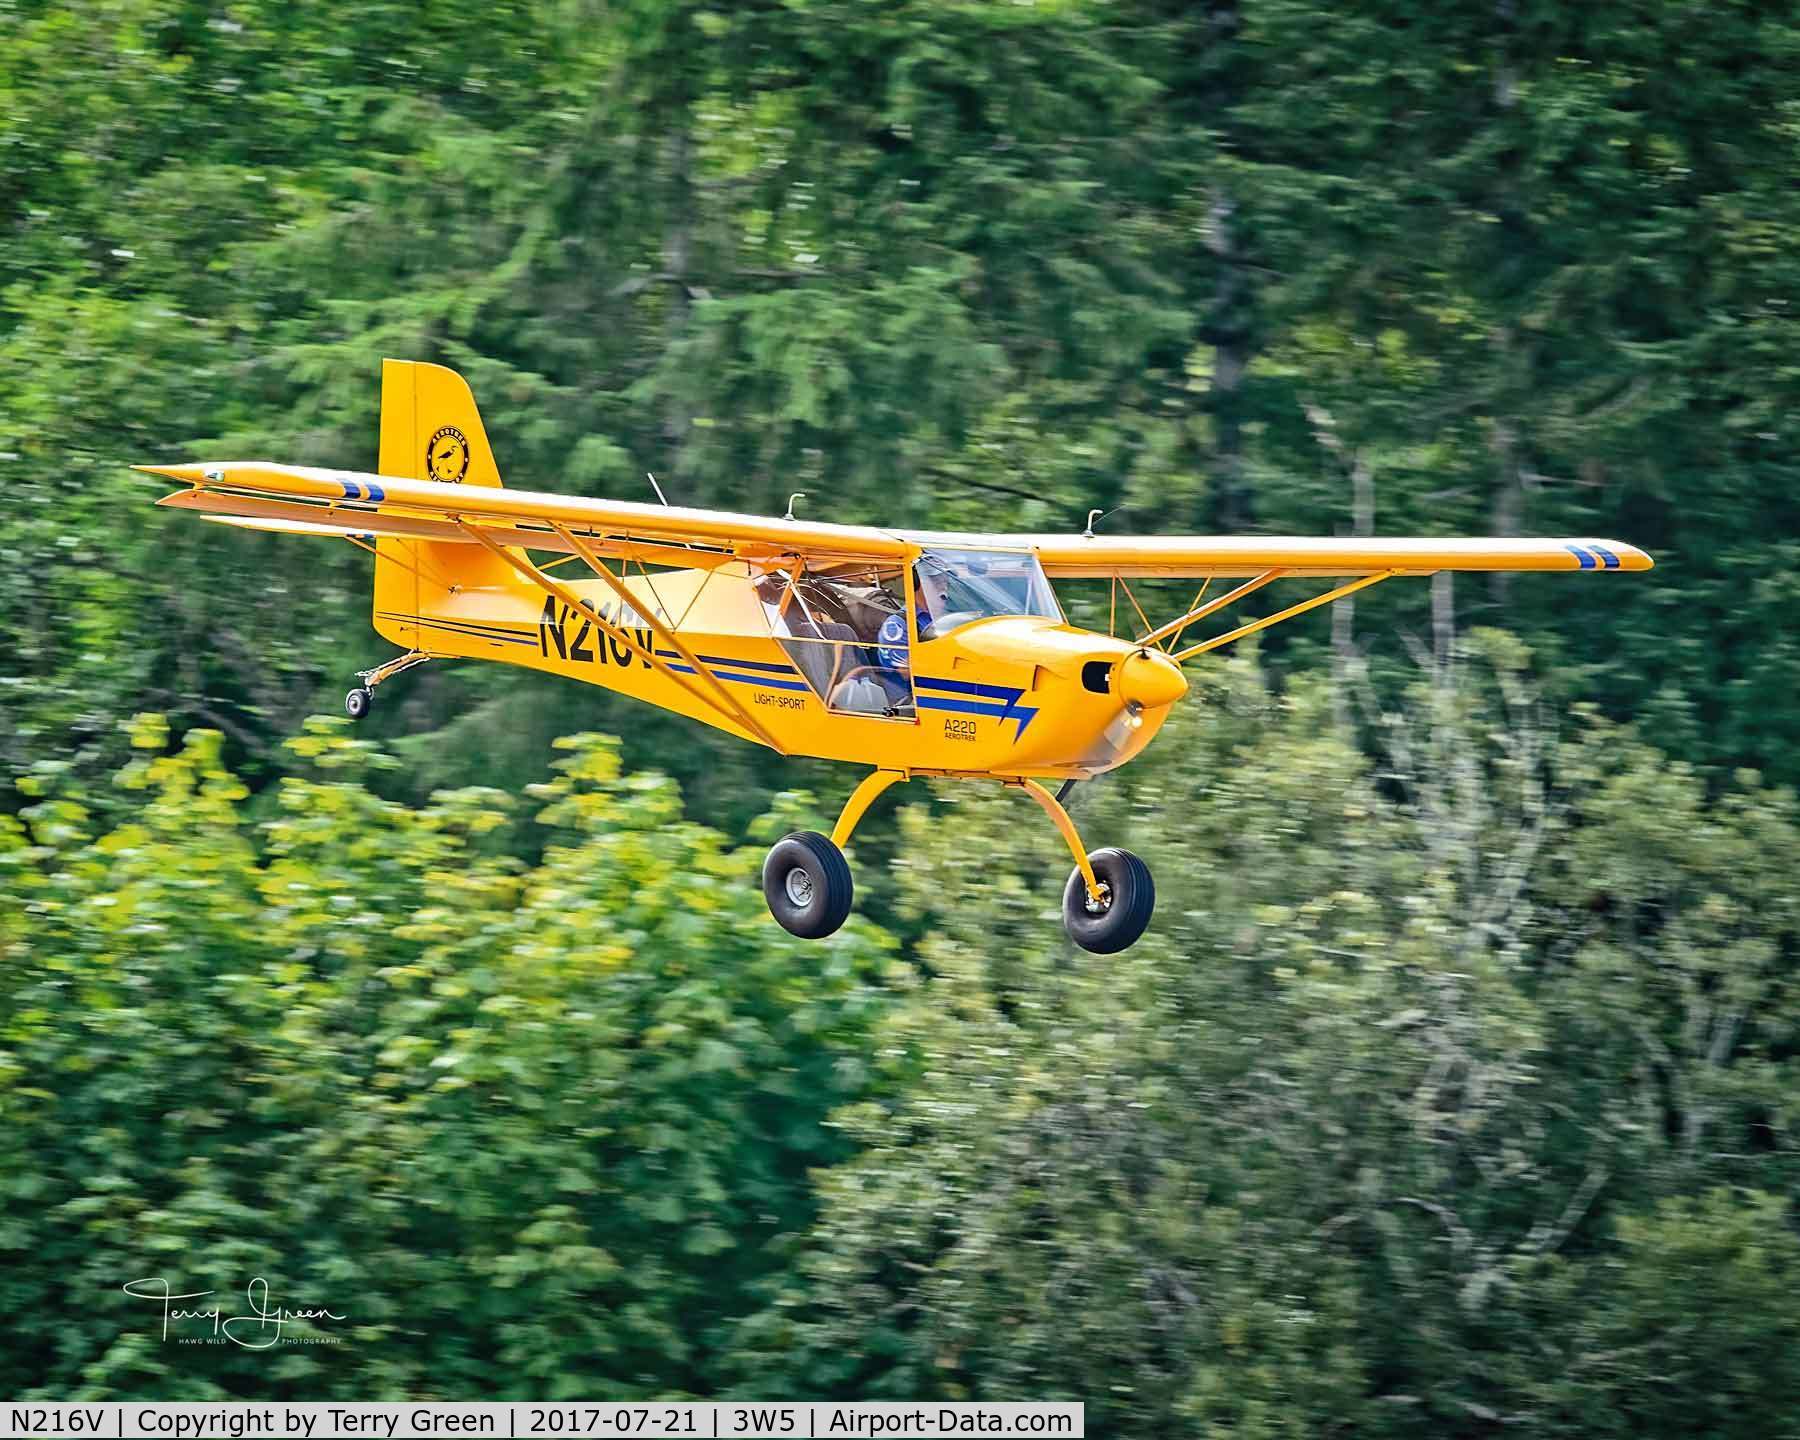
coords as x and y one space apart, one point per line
1110 896
361 699
806 878
861 798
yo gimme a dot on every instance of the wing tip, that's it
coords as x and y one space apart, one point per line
192 474
1602 555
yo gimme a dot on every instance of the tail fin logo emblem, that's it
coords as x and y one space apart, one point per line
447 455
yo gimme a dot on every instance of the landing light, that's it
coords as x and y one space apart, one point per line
1134 714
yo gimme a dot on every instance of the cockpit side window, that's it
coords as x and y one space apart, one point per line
840 628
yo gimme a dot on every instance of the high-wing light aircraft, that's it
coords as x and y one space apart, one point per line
909 652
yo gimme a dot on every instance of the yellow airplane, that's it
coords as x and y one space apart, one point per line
912 653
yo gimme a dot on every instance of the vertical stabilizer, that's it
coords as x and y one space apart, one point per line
430 430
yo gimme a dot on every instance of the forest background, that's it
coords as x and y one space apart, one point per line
1454 1089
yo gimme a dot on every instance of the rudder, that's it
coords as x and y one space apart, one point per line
430 430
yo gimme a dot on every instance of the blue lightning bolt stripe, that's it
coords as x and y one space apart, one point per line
966 707
1008 693
1007 696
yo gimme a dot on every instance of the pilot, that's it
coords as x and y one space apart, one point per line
933 595
890 642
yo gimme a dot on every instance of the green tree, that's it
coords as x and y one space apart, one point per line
529 1129
1367 1126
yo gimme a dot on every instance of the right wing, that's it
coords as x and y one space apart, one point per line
262 495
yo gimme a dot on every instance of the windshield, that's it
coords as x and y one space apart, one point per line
957 586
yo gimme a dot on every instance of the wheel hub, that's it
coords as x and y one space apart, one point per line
799 887
1103 904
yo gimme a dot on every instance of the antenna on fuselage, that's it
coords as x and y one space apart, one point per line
657 488
797 495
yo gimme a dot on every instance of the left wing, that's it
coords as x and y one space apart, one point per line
1260 560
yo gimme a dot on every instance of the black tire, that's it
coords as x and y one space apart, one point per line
1130 897
358 702
806 881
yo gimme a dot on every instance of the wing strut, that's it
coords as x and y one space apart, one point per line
1143 619
1199 595
568 597
1360 583
1200 612
667 634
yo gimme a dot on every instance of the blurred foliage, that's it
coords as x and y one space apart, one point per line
1453 1089
1448 1092
524 1127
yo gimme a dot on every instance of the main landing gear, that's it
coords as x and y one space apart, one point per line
361 699
806 880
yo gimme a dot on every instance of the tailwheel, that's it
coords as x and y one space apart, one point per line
806 881
361 700
1115 920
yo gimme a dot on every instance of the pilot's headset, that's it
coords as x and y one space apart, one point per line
932 565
